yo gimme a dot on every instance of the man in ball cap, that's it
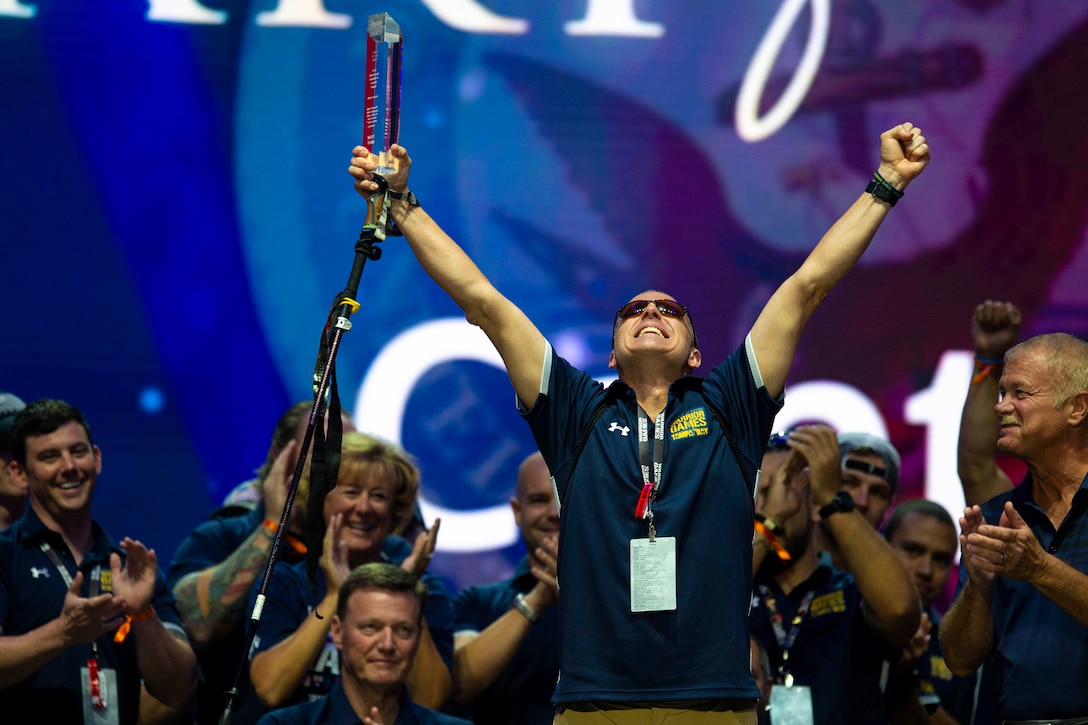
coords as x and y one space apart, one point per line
870 473
12 496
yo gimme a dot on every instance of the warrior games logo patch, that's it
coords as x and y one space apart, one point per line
689 425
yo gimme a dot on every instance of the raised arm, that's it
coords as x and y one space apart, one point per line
782 496
777 331
967 630
166 661
212 601
428 681
890 603
480 657
279 670
994 328
516 338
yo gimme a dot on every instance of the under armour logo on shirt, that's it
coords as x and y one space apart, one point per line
37 573
624 430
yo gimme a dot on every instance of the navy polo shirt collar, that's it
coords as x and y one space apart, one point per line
681 385
1023 499
1024 493
343 714
33 530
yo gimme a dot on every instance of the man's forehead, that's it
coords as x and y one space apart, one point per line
919 528
653 295
69 433
534 487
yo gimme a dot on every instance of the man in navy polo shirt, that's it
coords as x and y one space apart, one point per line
1022 601
379 618
828 632
654 476
82 620
506 638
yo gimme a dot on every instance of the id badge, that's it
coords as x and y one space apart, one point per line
653 574
791 705
105 693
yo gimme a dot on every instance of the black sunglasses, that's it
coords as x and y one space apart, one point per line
668 308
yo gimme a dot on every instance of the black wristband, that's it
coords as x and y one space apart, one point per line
882 190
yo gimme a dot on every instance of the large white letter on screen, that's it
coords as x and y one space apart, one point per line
383 396
750 126
613 17
471 17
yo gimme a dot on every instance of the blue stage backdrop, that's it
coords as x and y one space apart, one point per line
176 216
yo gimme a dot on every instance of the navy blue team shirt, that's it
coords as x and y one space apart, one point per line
700 650
32 591
335 709
1038 647
835 652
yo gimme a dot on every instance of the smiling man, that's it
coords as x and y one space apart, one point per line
379 618
655 476
82 619
1022 601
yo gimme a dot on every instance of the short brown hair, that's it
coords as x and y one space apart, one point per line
41 418
382 576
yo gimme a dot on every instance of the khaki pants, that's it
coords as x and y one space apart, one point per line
693 714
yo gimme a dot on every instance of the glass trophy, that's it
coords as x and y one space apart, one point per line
381 118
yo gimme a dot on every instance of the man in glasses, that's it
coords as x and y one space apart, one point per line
655 474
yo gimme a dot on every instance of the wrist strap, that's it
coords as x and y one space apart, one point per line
983 360
883 190
764 530
525 610
407 195
126 626
984 366
391 228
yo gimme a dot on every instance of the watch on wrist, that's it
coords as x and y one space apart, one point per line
525 610
881 192
841 503
407 195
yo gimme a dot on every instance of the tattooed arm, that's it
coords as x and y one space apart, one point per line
213 598
212 601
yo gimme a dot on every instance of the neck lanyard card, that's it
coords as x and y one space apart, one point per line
791 704
653 560
653 574
100 705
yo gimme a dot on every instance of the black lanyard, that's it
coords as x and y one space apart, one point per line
652 463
